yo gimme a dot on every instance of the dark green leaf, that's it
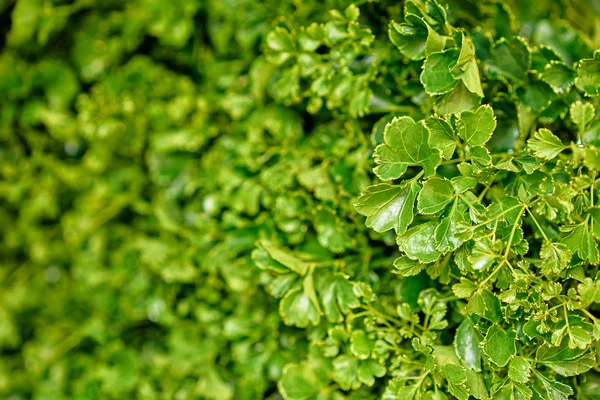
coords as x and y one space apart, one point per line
467 344
559 76
510 59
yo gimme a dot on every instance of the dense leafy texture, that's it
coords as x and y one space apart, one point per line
314 200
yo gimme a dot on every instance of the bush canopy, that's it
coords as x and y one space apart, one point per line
299 199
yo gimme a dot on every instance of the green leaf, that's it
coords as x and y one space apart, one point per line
360 344
308 286
578 337
436 76
415 38
345 372
435 41
528 164
410 40
537 95
519 370
589 292
492 312
212 385
564 360
581 242
476 385
317 180
588 75
507 165
581 115
510 59
480 155
297 309
435 196
449 234
591 158
499 345
269 256
121 376
442 136
288 83
280 40
368 370
331 232
456 377
559 76
545 145
406 144
482 256
476 128
462 184
352 12
417 243
595 214
464 289
555 256
25 17
476 305
388 206
181 174
299 382
458 100
466 67
467 344
406 267
550 389
514 391
281 284
397 389
339 298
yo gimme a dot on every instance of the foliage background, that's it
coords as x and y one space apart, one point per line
154 155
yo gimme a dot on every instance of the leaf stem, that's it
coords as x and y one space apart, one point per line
382 316
556 306
566 317
512 234
506 253
484 191
494 272
453 161
589 314
592 188
416 177
496 217
537 223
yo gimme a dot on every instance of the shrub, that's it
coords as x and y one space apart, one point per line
245 199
